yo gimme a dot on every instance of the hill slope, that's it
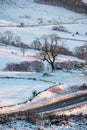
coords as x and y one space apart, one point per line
32 13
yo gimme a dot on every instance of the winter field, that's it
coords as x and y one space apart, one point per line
16 88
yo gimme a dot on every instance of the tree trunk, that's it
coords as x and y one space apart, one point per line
86 61
23 52
52 66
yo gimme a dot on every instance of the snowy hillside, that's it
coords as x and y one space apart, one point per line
85 1
31 13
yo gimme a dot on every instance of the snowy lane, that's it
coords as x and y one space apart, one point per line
60 104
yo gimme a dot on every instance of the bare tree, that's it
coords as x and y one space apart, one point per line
36 44
9 36
50 50
17 40
23 48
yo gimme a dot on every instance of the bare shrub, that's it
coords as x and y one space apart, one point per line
33 118
4 119
36 44
21 24
83 87
34 93
37 65
3 40
78 87
59 28
40 128
26 66
47 74
9 36
68 65
77 33
81 52
66 51
6 37
52 116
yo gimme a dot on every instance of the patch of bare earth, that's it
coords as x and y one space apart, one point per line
56 90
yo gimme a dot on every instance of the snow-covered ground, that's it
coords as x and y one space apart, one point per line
16 83
25 125
31 13
14 55
11 83
29 34
85 1
21 85
13 91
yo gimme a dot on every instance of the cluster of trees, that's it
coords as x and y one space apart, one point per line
7 38
36 44
59 28
50 50
75 5
81 52
48 46
35 66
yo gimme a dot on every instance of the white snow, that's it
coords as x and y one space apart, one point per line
6 23
30 12
19 83
13 91
85 1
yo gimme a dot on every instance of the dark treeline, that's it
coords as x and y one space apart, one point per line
74 5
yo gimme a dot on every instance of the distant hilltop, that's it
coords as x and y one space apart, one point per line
79 6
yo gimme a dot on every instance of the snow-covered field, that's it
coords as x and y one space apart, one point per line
29 34
15 86
13 91
18 87
26 12
31 13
